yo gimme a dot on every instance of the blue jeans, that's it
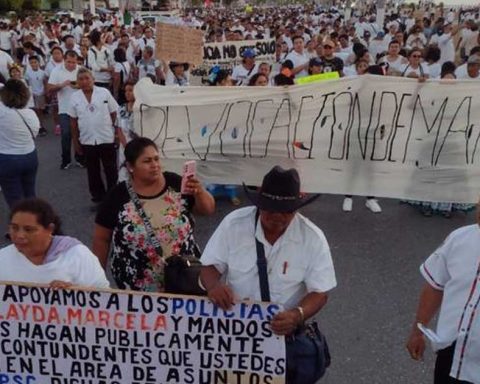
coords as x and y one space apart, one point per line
17 176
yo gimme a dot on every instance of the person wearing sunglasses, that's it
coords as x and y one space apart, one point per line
331 62
415 68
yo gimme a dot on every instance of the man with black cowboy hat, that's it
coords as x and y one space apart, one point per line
270 252
177 74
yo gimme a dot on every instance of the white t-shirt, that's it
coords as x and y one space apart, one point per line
435 70
78 33
445 44
147 67
242 75
143 42
59 75
51 65
462 73
299 262
453 269
15 138
94 120
6 40
397 64
35 80
298 59
98 59
123 68
5 61
78 266
376 47
183 81
421 70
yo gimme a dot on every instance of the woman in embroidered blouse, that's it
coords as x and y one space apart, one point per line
134 262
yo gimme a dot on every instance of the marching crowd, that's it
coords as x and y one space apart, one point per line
83 73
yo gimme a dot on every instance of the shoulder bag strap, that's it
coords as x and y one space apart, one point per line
25 122
262 266
146 221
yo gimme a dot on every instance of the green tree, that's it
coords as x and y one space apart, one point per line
15 5
31 4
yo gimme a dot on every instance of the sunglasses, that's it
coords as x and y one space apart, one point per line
416 56
327 47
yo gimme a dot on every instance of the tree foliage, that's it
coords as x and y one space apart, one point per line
19 5
11 5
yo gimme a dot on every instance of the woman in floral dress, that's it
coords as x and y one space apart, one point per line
134 261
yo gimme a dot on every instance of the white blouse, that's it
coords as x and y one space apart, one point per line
15 137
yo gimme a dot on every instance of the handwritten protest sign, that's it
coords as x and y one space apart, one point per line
231 51
179 43
370 135
58 337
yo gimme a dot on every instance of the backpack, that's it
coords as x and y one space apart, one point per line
95 54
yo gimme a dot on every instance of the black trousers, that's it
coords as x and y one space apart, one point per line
443 365
97 156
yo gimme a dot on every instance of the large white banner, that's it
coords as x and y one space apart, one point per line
116 337
369 135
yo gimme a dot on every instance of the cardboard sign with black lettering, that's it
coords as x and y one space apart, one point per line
118 337
179 43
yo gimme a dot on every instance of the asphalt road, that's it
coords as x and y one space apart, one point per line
376 257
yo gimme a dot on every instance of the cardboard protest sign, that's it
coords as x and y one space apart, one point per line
231 51
117 337
367 136
179 43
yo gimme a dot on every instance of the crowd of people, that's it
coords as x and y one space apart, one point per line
46 55
83 73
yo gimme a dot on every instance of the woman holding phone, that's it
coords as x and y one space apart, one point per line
150 203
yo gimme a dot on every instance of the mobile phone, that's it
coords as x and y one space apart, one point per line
74 83
189 171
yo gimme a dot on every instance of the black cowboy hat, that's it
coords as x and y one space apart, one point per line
280 192
176 64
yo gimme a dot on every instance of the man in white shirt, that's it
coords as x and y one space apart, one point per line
444 40
470 70
100 61
147 40
296 256
93 111
377 45
299 57
63 80
242 73
469 38
6 62
6 36
69 44
452 288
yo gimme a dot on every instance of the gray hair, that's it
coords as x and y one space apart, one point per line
83 70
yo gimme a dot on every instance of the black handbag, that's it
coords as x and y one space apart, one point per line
308 355
181 272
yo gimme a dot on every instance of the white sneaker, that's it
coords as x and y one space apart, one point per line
373 205
347 204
